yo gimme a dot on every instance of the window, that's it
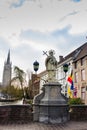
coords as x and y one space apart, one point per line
76 77
75 65
83 93
82 61
83 74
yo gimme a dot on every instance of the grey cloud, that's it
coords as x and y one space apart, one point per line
76 0
55 38
17 4
69 14
36 36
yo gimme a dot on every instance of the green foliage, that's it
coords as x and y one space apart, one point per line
12 92
29 101
19 74
75 101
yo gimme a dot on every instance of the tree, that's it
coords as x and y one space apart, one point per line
19 75
12 92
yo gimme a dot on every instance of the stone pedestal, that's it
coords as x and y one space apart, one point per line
51 107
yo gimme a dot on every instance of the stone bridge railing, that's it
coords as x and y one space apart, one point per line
15 113
23 113
78 112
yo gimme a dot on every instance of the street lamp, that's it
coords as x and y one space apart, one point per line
36 66
65 69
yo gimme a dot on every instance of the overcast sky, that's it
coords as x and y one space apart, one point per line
29 27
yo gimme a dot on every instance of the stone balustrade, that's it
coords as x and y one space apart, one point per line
78 112
15 113
23 113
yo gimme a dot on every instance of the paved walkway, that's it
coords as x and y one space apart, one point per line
71 125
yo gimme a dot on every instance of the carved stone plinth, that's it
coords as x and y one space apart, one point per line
51 106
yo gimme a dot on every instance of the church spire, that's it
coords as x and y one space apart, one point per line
7 71
8 57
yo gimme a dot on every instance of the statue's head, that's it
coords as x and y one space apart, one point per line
51 52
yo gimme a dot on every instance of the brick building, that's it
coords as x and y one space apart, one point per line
34 85
80 72
77 61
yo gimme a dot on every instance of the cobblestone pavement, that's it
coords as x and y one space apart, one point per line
71 125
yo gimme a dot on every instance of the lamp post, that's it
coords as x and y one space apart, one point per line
36 66
65 69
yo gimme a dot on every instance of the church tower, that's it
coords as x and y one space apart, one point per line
7 71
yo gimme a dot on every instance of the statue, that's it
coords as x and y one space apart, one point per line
51 65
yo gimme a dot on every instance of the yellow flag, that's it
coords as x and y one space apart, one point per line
69 92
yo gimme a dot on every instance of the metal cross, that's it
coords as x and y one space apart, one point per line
45 53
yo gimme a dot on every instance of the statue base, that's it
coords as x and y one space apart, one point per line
50 106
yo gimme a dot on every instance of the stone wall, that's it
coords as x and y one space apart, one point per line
78 112
23 113
15 113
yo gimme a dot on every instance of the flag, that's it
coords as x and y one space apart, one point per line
75 92
70 78
69 92
71 87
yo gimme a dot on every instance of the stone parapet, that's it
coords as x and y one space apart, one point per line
15 113
78 112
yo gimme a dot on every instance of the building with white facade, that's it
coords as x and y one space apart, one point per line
61 75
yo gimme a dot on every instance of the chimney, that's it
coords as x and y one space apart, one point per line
60 58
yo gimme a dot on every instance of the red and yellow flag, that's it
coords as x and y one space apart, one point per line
70 78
